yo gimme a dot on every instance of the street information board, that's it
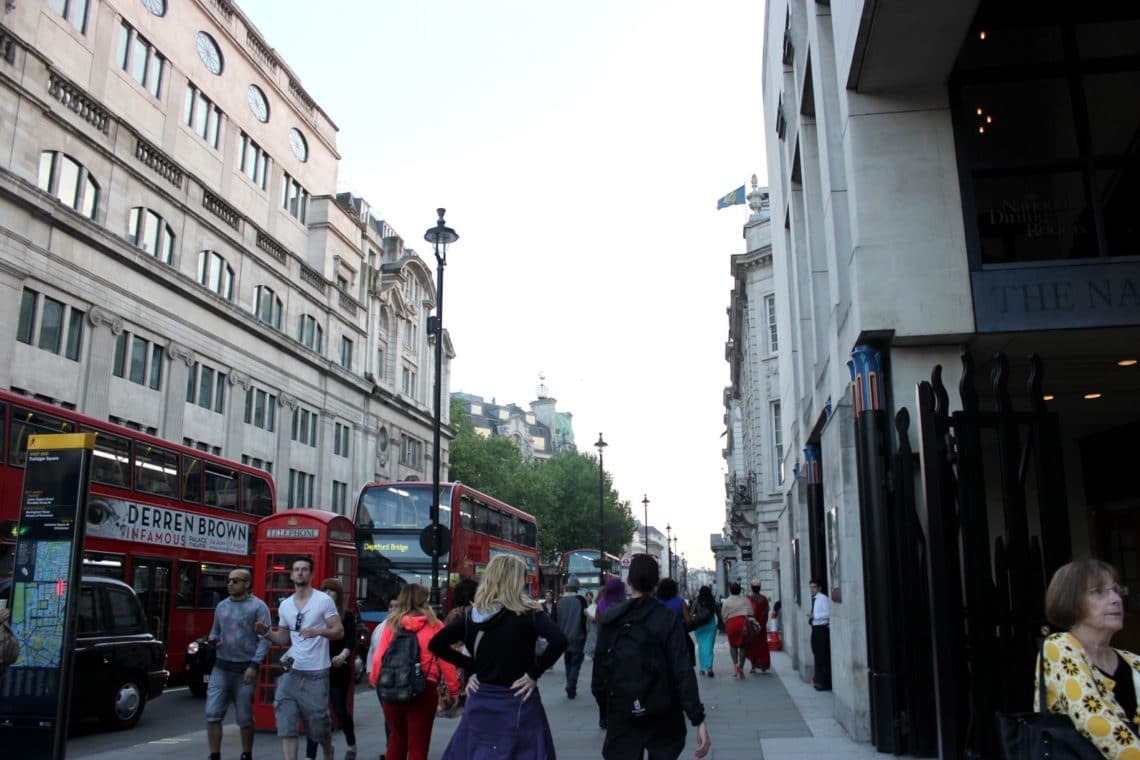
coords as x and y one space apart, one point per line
34 691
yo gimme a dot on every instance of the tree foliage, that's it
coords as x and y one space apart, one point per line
561 492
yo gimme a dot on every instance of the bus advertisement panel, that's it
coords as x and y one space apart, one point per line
390 517
167 519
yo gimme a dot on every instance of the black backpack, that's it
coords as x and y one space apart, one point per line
639 677
402 680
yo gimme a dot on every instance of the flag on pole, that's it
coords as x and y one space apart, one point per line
735 198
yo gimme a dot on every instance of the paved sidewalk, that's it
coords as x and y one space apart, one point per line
775 716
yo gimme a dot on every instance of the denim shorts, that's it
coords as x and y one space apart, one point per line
303 695
225 687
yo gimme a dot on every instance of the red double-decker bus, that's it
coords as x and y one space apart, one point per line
167 519
389 518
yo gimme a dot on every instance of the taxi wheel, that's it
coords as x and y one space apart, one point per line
128 702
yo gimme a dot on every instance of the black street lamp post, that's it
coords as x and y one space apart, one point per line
440 236
601 444
645 504
674 556
669 548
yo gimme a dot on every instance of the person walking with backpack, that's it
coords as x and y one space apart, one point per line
704 626
643 675
503 717
570 614
407 675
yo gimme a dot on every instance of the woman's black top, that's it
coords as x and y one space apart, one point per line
341 676
1125 690
505 647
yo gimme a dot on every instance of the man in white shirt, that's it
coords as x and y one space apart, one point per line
820 621
307 620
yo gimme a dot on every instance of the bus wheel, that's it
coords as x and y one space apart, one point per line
128 704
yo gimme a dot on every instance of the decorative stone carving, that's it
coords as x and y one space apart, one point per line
240 378
177 351
284 399
97 316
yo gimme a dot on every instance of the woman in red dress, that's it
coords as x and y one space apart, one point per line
757 652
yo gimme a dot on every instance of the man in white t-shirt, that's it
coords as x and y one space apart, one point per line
307 621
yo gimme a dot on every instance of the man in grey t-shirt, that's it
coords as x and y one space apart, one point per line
240 653
570 614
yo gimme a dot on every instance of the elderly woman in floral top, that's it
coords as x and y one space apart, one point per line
1085 678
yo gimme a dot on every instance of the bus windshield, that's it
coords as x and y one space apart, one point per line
401 507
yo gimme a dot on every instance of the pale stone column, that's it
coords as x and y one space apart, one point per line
240 383
96 391
181 360
288 405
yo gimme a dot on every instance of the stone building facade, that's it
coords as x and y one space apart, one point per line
174 256
753 454
947 183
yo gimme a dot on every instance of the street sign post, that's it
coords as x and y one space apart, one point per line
35 690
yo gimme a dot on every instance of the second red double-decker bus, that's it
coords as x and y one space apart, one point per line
167 519
389 518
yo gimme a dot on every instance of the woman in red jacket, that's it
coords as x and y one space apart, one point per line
410 725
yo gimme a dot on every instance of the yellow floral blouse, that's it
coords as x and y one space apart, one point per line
1075 688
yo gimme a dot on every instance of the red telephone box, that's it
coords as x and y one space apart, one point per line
326 538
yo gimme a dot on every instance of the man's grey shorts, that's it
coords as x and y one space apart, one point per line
303 695
225 687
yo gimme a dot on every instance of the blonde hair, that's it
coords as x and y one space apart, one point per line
502 583
334 584
412 600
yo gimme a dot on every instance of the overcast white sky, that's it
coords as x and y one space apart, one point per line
579 149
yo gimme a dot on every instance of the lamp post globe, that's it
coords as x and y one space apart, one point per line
440 236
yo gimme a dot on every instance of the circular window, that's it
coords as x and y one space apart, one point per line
157 7
257 103
298 144
209 53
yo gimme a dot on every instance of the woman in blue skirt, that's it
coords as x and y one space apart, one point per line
703 626
503 717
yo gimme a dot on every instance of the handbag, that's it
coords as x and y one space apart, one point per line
1035 735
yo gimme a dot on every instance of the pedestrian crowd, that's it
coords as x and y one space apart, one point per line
482 663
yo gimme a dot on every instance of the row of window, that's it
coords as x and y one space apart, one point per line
143 365
491 521
50 324
140 59
123 463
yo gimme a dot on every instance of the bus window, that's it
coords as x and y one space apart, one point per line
528 534
507 529
25 422
192 479
111 464
212 585
466 513
221 487
256 495
187 584
156 470
104 564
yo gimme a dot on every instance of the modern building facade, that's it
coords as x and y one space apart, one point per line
754 478
954 185
175 258
540 432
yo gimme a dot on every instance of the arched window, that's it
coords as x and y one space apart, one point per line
216 274
150 232
67 179
309 333
267 306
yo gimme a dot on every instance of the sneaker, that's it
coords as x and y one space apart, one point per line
571 693
710 673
